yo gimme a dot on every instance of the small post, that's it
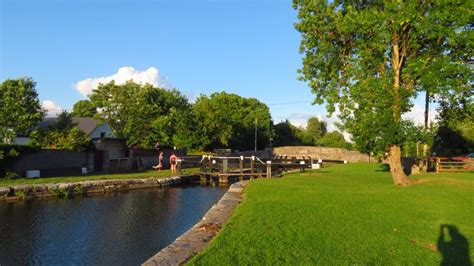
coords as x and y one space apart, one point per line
269 169
225 164
252 162
241 167
437 165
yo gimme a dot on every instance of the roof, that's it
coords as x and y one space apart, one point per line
86 124
48 121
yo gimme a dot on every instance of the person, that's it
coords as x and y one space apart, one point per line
160 162
173 162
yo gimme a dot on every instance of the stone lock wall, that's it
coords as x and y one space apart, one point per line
324 153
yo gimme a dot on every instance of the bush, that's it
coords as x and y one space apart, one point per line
11 175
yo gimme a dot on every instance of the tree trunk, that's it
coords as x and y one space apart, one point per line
396 168
398 175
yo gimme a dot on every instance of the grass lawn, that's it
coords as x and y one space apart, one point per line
145 174
348 215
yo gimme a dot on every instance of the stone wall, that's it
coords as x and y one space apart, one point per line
20 192
324 153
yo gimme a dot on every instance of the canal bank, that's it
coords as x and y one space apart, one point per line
195 239
21 192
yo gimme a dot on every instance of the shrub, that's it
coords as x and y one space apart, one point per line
11 175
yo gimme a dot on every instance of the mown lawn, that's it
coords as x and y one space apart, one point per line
145 174
348 215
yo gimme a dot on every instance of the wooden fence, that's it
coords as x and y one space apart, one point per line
443 164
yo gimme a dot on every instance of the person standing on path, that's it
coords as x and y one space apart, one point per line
173 162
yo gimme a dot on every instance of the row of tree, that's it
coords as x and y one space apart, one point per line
314 134
144 115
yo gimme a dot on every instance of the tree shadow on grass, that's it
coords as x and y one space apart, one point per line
454 246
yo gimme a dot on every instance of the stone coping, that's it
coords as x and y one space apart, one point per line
20 192
195 239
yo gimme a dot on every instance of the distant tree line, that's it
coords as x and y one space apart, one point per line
314 134
144 115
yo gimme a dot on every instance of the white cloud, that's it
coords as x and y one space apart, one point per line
51 108
417 115
151 76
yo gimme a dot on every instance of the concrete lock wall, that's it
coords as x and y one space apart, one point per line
53 162
322 153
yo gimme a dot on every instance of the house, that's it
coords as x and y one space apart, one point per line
94 128
109 147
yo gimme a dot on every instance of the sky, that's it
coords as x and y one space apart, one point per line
247 47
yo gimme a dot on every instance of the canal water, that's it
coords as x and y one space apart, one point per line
113 229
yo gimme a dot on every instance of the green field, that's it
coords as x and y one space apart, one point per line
144 174
349 215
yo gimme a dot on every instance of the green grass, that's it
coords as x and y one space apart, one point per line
345 215
145 174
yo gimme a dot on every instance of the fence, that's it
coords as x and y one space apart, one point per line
443 164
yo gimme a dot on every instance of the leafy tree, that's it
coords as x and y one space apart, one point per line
370 59
20 108
72 139
455 134
229 120
63 135
316 129
287 135
83 108
334 139
141 113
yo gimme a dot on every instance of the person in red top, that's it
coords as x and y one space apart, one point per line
173 162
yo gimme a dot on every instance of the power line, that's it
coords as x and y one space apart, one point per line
287 103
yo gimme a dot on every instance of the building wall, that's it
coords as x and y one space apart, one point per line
95 134
53 162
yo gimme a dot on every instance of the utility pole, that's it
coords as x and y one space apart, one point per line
256 134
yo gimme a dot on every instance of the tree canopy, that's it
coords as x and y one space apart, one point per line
20 108
370 60
63 134
229 120
142 114
83 108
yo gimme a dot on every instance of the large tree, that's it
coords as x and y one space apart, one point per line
63 135
287 134
229 120
370 59
316 129
20 108
142 114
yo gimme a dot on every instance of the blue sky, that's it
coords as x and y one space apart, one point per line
245 47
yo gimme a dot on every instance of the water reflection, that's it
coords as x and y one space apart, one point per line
114 229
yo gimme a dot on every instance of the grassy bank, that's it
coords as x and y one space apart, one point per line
144 174
350 215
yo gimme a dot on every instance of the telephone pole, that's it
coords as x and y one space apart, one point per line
255 134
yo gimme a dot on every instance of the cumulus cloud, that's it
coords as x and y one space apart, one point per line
51 108
151 76
417 115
